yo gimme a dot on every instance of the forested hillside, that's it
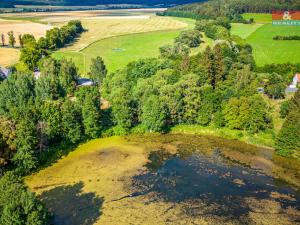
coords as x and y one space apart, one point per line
231 8
10 3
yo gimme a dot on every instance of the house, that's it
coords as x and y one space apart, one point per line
293 86
81 82
4 72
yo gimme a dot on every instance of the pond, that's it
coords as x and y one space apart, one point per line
168 179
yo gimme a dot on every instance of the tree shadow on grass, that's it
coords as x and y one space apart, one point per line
69 205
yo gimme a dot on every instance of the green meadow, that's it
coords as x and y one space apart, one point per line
118 51
267 51
244 30
258 17
260 36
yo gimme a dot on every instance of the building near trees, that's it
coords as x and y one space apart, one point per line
292 88
4 72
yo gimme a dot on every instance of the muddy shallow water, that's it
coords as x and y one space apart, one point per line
166 179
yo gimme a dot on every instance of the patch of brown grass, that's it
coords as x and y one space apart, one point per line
9 56
22 27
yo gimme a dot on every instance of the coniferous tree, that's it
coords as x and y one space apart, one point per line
98 71
91 117
68 76
288 141
71 122
17 204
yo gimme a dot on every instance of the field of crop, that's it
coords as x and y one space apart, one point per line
104 27
8 56
258 17
22 27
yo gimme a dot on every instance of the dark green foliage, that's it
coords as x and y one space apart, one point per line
59 37
27 40
289 38
191 38
250 114
231 8
285 108
287 70
71 122
275 86
154 114
18 205
47 86
91 113
68 76
32 51
50 115
174 51
98 71
217 32
15 94
287 141
215 29
31 55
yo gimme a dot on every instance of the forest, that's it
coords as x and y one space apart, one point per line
11 3
231 9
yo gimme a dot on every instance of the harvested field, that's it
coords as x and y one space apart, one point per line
102 28
23 27
8 56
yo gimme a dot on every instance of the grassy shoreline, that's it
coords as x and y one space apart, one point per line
265 140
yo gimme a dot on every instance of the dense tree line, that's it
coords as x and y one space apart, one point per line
288 38
288 142
231 8
33 51
35 115
215 29
152 95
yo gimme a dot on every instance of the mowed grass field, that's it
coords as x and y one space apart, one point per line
244 30
124 41
258 17
260 36
118 51
267 51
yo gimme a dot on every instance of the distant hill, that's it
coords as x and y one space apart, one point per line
10 3
231 8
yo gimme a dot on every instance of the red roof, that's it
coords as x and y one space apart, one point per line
298 77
